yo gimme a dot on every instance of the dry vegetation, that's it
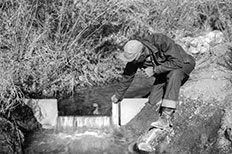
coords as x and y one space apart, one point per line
52 47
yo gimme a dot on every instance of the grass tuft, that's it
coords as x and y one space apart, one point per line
50 48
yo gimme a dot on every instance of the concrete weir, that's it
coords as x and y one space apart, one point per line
126 110
46 112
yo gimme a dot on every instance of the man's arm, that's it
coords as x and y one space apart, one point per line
127 77
171 63
167 47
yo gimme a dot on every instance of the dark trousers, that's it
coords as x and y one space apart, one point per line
167 86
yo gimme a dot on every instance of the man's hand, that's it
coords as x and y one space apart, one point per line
114 99
149 72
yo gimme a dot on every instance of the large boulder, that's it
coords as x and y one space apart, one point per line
201 122
224 140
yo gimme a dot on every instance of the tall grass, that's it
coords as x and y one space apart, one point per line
50 48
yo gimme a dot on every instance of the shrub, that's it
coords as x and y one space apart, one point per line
50 48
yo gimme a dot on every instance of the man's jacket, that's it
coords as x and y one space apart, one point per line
166 56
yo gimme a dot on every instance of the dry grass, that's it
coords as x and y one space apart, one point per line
49 48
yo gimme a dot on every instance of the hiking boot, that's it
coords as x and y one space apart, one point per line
164 120
161 123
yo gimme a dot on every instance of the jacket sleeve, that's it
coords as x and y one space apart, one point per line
168 48
127 78
173 61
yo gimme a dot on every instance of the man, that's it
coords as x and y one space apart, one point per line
159 56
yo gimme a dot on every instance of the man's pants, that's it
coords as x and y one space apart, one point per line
167 86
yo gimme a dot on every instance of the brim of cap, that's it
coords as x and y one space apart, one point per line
122 57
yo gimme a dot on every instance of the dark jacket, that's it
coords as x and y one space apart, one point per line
166 56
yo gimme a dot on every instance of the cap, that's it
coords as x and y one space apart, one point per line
131 50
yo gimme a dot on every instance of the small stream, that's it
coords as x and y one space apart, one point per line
68 138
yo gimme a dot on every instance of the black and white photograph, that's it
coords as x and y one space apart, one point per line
115 77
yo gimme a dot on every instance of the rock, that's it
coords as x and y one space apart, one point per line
224 141
196 125
209 79
201 44
23 116
200 122
193 50
11 138
215 37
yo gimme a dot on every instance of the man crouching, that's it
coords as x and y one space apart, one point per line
157 56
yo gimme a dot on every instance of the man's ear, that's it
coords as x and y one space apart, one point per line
143 55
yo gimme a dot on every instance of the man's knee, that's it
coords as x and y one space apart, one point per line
177 76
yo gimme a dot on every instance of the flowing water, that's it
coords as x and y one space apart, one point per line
92 108
84 123
72 123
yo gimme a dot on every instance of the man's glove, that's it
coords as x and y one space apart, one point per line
114 99
149 71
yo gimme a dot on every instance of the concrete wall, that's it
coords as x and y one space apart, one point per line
45 111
